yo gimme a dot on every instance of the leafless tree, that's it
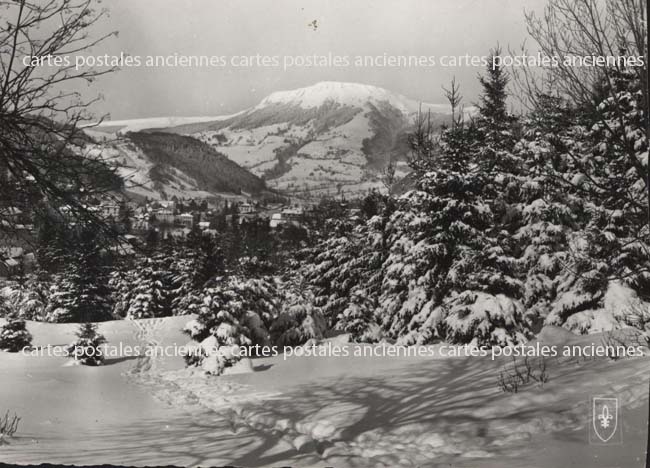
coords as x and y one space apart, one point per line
43 161
588 28
583 28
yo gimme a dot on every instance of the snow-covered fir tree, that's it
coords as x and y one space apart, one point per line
591 171
555 212
452 270
87 349
347 261
495 136
206 257
82 292
358 318
446 276
548 215
28 300
144 291
299 320
194 264
14 335
234 312
185 297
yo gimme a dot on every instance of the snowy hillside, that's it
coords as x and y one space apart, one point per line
311 411
159 165
323 139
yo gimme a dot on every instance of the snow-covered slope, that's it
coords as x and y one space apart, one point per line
327 138
353 411
162 165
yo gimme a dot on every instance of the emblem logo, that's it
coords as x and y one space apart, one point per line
604 418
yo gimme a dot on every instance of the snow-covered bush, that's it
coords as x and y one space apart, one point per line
87 349
298 322
212 357
358 319
512 377
29 299
485 320
638 316
14 335
235 312
226 311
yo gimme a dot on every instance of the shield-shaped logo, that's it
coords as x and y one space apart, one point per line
605 417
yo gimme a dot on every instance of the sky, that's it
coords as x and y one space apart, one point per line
285 28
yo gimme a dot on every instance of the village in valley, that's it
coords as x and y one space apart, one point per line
151 221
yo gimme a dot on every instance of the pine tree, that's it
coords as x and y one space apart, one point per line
618 181
358 319
593 169
452 270
87 349
29 300
344 263
207 259
148 294
193 266
494 116
298 322
234 312
14 335
83 293
551 212
185 298
494 137
439 246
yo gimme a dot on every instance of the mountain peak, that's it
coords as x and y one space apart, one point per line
343 93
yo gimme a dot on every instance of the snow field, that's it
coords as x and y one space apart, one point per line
307 411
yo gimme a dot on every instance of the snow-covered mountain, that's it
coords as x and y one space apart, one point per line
328 138
350 94
331 137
